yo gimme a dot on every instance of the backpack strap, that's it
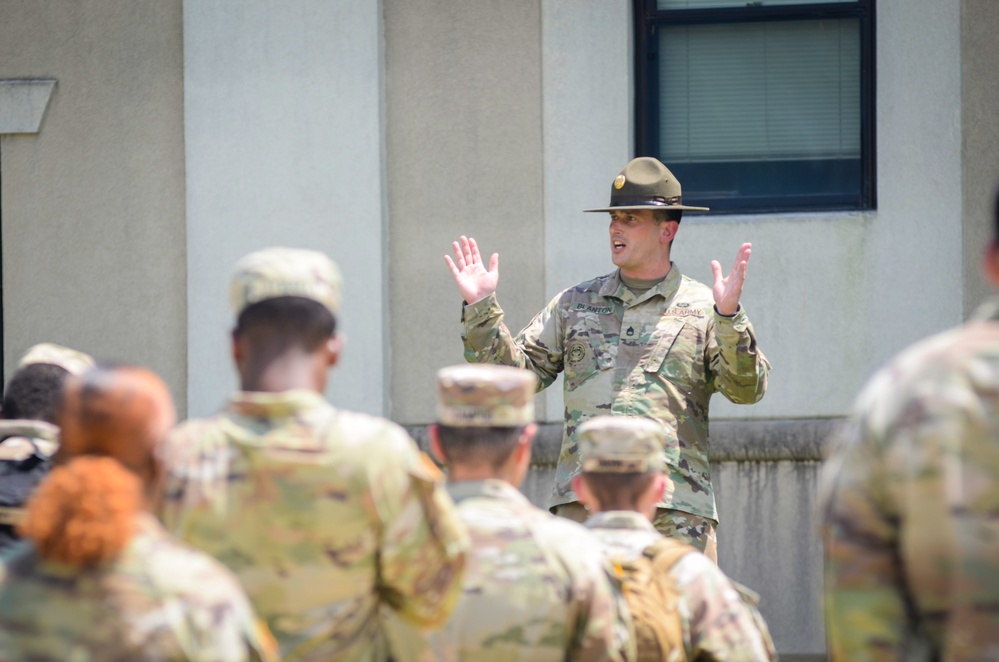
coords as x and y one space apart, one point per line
663 555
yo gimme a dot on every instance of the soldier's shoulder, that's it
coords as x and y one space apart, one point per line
570 540
189 574
695 292
372 435
587 288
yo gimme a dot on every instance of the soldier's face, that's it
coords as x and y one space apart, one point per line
637 243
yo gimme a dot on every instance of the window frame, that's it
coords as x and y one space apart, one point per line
647 18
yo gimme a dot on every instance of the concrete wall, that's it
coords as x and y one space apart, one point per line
284 147
980 138
463 157
92 206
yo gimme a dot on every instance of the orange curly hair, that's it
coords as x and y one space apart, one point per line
83 513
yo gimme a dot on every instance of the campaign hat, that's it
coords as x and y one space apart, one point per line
645 183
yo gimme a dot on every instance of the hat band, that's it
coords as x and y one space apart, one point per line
631 200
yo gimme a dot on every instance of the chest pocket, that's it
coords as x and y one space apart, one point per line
590 347
673 351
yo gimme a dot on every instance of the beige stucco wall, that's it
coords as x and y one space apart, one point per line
980 137
463 155
92 206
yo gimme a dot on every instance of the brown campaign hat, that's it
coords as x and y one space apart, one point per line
621 444
477 395
645 183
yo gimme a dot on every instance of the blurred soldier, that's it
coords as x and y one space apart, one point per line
682 605
643 340
28 435
100 579
325 515
536 586
910 502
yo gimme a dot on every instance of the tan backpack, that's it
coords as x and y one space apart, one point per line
652 596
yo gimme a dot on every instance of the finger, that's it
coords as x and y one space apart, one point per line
458 257
476 256
494 263
716 270
452 266
466 250
741 256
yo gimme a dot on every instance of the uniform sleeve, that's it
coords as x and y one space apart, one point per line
865 604
538 347
737 366
604 630
720 618
422 540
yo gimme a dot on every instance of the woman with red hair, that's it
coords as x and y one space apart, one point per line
97 577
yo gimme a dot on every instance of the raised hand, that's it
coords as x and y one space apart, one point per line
474 281
728 290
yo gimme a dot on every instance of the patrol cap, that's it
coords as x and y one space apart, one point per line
621 444
70 360
285 272
645 183
485 395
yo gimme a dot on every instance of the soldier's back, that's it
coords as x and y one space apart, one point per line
157 601
324 515
535 587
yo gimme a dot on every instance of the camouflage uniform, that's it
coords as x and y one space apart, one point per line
324 515
536 586
659 355
719 617
18 435
909 501
158 601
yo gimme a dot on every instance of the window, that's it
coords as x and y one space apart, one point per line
759 106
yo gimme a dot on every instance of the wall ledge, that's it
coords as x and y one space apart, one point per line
23 103
743 440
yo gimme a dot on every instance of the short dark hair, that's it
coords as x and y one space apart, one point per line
618 491
478 445
35 392
284 322
663 215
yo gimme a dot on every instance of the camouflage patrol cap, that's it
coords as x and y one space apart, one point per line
621 444
645 183
485 396
70 360
285 272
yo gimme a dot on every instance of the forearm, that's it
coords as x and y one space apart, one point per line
487 339
739 368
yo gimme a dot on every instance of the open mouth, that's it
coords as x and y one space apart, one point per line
617 245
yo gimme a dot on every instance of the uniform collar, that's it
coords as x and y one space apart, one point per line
620 519
490 488
286 404
613 287
17 427
987 311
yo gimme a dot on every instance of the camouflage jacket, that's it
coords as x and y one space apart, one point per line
158 601
719 617
909 498
16 434
324 515
660 355
536 587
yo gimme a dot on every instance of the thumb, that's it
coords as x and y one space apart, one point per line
494 263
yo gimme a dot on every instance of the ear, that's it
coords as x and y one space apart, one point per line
435 444
661 483
667 231
525 444
334 346
583 494
237 349
990 263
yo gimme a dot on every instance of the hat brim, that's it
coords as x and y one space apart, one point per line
664 207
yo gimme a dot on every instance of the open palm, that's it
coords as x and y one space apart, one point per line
728 290
475 282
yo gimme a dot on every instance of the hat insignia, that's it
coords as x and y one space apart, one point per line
619 182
